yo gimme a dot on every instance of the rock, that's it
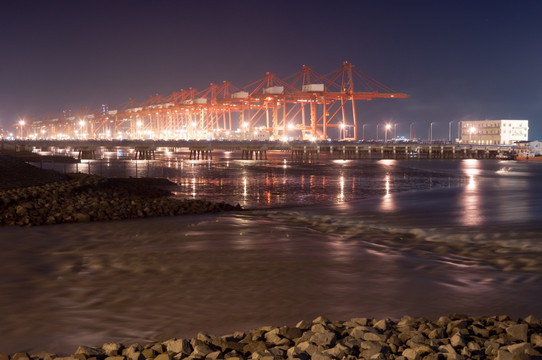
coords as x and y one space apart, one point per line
307 347
523 348
296 353
321 356
369 349
456 337
277 352
163 356
480 331
255 346
321 320
215 355
319 328
230 345
473 346
178 346
410 354
504 355
457 340
89 351
148 353
531 320
20 356
290 333
202 350
339 351
382 325
304 325
421 349
115 357
536 340
368 336
206 337
44 355
518 332
324 339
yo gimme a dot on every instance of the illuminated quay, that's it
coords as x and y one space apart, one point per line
257 150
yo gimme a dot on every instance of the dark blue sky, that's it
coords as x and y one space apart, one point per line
458 60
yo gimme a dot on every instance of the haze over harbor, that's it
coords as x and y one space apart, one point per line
368 216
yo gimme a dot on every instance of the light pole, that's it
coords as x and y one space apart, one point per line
81 124
450 131
388 126
395 131
377 131
472 130
139 123
290 128
342 131
363 131
431 132
21 123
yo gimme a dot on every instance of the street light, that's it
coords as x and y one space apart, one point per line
377 131
81 124
342 126
472 130
388 126
139 124
21 122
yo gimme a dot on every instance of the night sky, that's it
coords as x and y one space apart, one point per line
458 60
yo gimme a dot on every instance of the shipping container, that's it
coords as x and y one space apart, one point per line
240 95
313 88
274 90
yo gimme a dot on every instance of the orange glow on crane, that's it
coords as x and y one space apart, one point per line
305 102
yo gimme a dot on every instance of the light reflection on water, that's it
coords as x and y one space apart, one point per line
470 198
172 277
277 182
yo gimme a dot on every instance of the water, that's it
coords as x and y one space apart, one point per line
375 239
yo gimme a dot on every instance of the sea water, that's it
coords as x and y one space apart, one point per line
335 238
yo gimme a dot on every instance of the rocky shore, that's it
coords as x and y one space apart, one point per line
449 337
55 198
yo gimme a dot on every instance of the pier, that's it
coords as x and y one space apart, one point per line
257 150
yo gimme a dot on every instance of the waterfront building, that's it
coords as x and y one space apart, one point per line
494 132
529 148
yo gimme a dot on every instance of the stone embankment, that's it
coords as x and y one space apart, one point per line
84 198
450 337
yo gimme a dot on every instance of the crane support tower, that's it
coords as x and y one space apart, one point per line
304 105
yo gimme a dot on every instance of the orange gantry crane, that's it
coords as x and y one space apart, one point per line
305 105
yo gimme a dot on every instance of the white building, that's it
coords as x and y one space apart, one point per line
494 132
529 148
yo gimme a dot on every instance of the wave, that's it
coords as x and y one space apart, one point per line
510 249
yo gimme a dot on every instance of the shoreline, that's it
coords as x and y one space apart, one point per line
30 196
449 337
